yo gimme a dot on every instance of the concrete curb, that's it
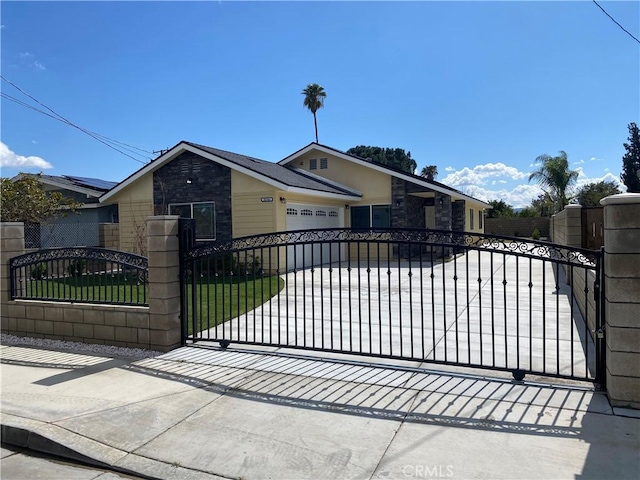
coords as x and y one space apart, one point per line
45 438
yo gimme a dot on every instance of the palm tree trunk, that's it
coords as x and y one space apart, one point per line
315 123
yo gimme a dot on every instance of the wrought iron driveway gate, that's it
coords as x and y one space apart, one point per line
444 297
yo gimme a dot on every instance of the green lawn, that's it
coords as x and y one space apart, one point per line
101 288
216 302
219 302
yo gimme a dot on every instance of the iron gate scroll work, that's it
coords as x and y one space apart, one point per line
458 298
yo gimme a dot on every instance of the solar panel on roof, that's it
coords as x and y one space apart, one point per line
92 182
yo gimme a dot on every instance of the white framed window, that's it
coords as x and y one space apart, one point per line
313 164
479 218
321 213
204 213
305 212
333 213
324 163
292 211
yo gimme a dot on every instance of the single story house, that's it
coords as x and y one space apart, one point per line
232 195
80 228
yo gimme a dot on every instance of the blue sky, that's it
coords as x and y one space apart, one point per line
479 89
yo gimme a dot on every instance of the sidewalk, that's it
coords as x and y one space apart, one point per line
198 413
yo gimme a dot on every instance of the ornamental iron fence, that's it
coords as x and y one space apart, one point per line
430 296
80 274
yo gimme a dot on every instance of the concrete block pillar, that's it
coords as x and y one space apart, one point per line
11 245
622 298
573 225
164 282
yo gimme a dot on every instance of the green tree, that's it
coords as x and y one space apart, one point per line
554 177
391 157
543 206
631 161
499 208
25 200
430 172
314 96
590 195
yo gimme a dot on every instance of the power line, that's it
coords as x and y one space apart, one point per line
96 136
31 107
614 21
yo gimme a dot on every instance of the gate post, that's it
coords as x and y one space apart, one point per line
622 298
164 282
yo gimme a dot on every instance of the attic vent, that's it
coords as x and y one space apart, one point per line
184 168
313 164
196 166
323 163
306 212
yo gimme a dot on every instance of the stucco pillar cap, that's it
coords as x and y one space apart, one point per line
573 205
163 217
621 199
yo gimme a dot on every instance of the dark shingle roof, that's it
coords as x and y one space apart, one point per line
279 173
97 185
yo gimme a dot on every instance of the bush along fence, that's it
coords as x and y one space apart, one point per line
93 295
80 274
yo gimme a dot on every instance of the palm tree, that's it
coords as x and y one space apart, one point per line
314 96
430 172
554 177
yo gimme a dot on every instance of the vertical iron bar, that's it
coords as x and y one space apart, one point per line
504 286
493 313
557 278
544 316
455 304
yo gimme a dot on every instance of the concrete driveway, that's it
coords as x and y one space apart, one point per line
479 309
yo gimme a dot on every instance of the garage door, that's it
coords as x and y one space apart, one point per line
306 217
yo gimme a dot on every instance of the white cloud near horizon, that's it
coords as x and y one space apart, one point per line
8 158
489 182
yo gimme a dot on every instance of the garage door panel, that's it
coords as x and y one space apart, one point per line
310 217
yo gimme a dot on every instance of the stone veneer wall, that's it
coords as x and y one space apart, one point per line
210 182
407 211
457 215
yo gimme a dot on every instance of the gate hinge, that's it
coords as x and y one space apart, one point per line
599 333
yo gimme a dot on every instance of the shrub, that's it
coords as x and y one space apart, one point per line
76 267
536 234
39 271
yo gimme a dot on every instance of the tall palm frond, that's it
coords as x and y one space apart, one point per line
554 177
314 96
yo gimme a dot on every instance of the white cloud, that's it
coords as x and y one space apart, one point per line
449 169
579 162
28 59
12 159
479 174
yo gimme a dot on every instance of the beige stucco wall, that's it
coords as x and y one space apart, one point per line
250 215
135 204
375 186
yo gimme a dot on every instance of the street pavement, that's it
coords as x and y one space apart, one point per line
19 464
206 413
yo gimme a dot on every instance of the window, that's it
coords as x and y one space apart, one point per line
323 163
306 212
471 214
292 211
204 213
313 164
480 219
371 216
333 213
321 213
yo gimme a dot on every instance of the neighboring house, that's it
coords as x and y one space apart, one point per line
74 229
232 195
